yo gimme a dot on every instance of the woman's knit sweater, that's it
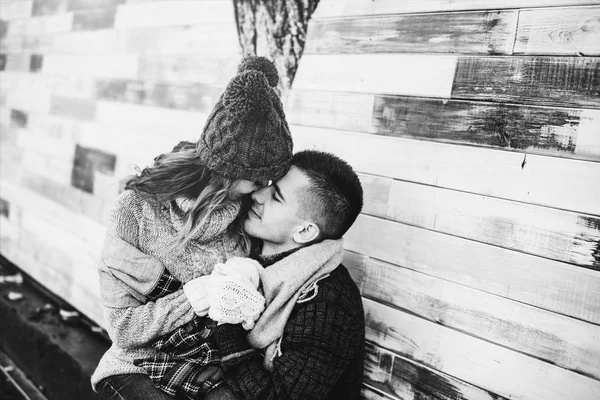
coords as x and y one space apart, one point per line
134 320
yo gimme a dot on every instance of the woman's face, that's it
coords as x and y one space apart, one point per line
242 187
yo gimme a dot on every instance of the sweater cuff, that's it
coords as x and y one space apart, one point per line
232 343
196 292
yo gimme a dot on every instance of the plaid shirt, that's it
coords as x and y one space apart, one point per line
187 364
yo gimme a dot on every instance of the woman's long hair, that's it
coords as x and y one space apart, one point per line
180 173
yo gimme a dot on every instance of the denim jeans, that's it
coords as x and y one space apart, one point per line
130 387
140 387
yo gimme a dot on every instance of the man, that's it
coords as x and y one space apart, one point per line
308 343
321 349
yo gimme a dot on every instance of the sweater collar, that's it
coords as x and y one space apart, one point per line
269 260
220 219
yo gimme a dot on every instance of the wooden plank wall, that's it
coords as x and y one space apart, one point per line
475 126
90 88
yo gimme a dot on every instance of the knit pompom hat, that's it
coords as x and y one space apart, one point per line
247 136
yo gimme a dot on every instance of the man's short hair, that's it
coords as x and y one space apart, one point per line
335 196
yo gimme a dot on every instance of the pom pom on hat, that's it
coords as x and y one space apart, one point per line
261 64
247 96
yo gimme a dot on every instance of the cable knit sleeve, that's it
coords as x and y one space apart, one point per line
138 326
134 321
319 342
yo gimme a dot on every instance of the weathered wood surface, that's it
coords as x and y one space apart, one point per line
502 174
42 25
391 376
158 123
93 4
47 243
190 97
215 70
413 74
103 18
565 81
546 232
80 109
490 32
345 8
46 7
15 62
562 132
205 39
554 338
566 31
56 217
483 364
543 283
165 13
16 9
110 66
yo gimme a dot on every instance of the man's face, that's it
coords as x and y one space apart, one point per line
274 214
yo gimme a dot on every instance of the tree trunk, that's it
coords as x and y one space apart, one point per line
275 29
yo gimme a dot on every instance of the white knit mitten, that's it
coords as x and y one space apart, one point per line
245 268
234 297
234 300
197 292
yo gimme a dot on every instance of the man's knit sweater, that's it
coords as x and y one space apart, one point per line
322 348
133 320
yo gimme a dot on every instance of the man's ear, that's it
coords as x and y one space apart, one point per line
308 232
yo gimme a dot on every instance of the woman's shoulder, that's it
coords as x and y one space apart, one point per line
126 214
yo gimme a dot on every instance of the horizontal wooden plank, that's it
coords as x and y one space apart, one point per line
47 7
557 339
94 206
69 107
57 84
118 66
212 69
468 33
407 74
544 283
102 18
72 277
16 9
565 31
345 8
107 41
41 25
484 171
11 44
191 97
165 13
546 232
395 377
202 39
158 123
55 216
483 364
92 4
562 132
567 81
15 62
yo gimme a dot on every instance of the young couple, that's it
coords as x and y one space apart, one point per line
221 274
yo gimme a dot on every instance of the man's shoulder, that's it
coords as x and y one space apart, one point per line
339 287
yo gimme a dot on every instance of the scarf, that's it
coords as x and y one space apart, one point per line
285 281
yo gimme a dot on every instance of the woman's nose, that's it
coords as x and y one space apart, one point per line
259 195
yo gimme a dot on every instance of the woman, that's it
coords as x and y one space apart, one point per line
183 211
